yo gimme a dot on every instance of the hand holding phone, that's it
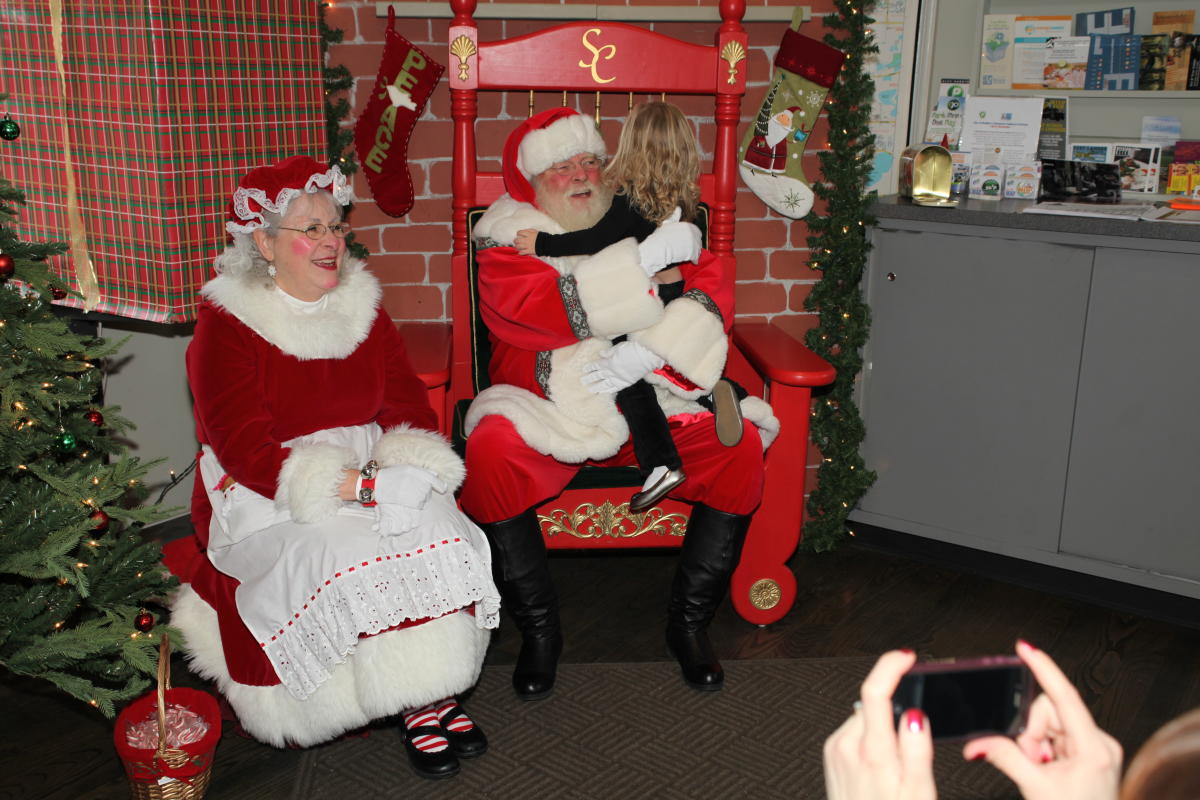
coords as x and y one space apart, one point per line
964 699
1062 754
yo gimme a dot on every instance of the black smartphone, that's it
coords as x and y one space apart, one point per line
967 698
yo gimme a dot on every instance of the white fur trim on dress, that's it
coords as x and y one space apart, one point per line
333 331
564 138
386 674
574 424
416 447
615 292
310 478
692 340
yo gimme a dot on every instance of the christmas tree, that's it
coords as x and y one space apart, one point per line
77 577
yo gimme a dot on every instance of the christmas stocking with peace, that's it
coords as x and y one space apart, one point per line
406 79
769 157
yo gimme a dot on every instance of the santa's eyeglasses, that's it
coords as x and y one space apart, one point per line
587 164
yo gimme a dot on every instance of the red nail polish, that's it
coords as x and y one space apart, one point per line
1027 644
914 720
906 651
980 756
1046 759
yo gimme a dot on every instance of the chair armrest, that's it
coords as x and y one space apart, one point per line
779 357
428 346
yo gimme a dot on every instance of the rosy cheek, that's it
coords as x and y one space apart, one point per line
301 246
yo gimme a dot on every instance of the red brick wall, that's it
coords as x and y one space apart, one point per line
411 255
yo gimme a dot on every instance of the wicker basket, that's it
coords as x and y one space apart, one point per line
168 773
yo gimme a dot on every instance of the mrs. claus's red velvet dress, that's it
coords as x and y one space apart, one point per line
284 584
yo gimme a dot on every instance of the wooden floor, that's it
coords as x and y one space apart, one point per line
1135 671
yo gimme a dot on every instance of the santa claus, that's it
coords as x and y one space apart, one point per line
551 321
769 152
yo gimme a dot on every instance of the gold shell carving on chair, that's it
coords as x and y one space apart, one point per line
589 521
463 48
732 53
765 594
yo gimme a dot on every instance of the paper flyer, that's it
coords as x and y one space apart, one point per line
1052 138
996 56
1090 151
1164 131
946 121
996 125
1138 165
1066 61
1030 35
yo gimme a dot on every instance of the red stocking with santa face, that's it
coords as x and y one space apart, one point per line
769 158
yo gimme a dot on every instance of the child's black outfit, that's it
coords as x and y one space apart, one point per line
652 443
639 404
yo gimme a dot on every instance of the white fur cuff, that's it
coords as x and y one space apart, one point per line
309 481
615 292
691 339
417 447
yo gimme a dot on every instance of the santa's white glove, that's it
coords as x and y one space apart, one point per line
671 243
407 486
623 365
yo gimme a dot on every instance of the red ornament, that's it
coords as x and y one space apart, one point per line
94 417
57 293
100 519
144 622
7 266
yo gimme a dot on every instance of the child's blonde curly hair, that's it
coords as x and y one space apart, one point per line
657 163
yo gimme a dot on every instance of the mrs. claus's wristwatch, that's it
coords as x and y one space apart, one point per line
366 484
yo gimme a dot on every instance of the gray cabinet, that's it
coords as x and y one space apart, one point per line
1134 474
1036 394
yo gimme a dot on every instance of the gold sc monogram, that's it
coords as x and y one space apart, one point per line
607 52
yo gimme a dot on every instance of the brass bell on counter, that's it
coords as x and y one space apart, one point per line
925 173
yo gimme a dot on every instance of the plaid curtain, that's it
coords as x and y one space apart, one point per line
160 108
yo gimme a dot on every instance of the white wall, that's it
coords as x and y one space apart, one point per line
148 381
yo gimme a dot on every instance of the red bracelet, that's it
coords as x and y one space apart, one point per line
366 492
366 484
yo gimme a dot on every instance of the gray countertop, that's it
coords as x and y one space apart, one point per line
1007 214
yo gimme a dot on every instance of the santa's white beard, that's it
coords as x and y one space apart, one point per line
574 216
776 132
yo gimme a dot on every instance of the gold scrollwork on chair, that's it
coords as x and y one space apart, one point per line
462 48
732 53
589 521
607 52
765 594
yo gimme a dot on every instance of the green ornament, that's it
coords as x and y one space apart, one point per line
67 441
9 129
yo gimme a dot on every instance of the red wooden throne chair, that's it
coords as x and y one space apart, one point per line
606 64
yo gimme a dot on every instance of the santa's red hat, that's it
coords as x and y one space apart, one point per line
544 140
273 187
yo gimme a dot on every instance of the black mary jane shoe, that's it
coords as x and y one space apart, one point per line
465 744
699 664
442 764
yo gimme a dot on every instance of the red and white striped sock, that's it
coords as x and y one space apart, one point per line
460 723
425 717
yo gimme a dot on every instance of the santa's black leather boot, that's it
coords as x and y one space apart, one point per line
523 577
710 552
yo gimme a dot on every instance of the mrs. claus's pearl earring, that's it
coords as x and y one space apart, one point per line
271 270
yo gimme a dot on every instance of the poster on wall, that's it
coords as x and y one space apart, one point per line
891 69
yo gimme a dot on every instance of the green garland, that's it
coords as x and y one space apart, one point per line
838 246
337 79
